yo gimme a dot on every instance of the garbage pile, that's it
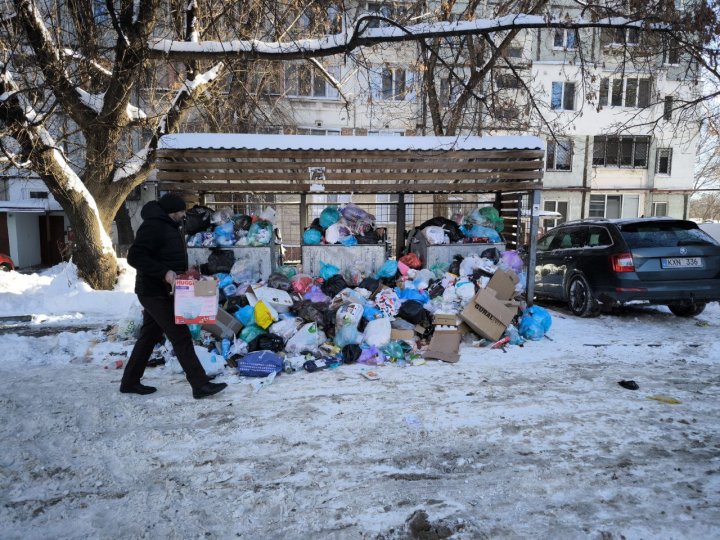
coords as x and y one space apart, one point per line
402 315
349 226
205 227
482 225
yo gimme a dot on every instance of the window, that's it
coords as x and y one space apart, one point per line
507 80
39 195
668 108
514 52
386 207
599 237
671 52
382 9
320 202
636 92
564 39
561 207
663 163
393 84
614 206
302 80
571 238
316 131
627 151
659 209
622 36
546 241
563 96
559 155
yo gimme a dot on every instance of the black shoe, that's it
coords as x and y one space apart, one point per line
208 389
137 389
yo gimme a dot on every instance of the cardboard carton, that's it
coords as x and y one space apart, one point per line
487 315
397 334
503 283
226 326
449 319
445 346
276 298
196 302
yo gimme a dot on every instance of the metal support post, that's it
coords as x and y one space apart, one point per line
400 226
534 226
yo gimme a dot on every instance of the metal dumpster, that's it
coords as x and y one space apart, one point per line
366 258
444 253
261 259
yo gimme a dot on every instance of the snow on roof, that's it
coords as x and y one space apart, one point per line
30 205
185 141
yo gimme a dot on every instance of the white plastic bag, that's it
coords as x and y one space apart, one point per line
436 235
129 327
286 328
308 338
465 291
377 332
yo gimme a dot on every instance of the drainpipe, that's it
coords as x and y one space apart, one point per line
585 177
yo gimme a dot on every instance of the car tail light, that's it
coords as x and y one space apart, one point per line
622 262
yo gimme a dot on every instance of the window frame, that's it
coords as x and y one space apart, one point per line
563 95
554 166
669 152
293 84
552 206
656 204
564 39
383 202
620 144
621 201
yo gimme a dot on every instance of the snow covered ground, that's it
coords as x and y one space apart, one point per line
536 442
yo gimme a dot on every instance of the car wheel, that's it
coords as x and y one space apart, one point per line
687 310
580 298
5 267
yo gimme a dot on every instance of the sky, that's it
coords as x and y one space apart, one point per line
536 441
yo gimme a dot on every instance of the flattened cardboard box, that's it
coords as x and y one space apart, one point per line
196 302
449 319
445 346
226 325
487 315
398 334
503 283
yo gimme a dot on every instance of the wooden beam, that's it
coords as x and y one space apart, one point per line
364 176
435 187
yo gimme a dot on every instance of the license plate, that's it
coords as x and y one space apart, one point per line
682 262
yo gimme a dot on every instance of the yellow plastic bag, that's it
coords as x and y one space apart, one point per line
263 315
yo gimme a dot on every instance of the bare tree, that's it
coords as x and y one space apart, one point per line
79 88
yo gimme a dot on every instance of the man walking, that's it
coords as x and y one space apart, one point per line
158 254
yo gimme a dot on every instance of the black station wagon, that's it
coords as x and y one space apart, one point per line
596 263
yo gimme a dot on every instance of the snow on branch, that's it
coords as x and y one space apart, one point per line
70 53
362 35
95 102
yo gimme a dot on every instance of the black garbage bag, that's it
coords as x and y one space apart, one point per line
311 311
197 219
436 289
351 353
316 225
267 342
491 253
455 265
219 260
370 284
370 237
279 281
453 229
412 311
242 222
334 285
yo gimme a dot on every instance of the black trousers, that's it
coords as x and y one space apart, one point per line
159 319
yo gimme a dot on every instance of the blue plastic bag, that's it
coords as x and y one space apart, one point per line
541 315
260 233
371 312
329 216
412 294
259 364
312 237
531 328
478 231
328 270
246 315
387 270
349 241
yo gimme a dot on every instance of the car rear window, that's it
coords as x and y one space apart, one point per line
665 234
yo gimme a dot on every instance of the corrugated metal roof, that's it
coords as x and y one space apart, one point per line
235 141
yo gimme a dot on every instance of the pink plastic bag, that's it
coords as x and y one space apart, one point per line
301 283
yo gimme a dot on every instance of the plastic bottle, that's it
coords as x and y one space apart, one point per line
225 348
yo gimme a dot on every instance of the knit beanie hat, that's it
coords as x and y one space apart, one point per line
172 203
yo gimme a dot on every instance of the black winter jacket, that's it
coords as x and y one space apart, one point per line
159 246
